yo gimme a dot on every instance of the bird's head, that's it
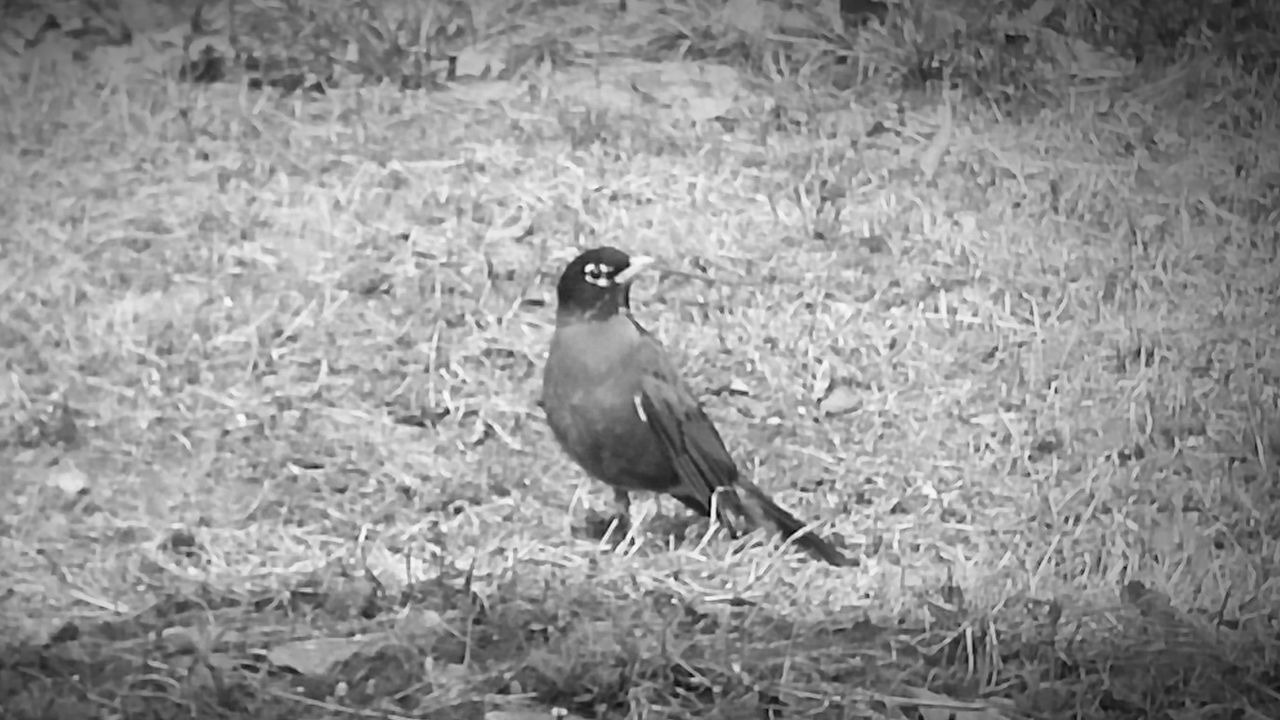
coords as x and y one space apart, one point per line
597 284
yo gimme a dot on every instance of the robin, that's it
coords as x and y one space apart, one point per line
617 406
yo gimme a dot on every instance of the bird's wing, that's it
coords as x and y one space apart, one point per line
697 452
701 459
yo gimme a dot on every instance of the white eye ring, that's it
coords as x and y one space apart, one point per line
598 274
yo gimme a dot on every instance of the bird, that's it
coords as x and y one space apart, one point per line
617 406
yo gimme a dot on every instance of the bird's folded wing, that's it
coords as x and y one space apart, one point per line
687 434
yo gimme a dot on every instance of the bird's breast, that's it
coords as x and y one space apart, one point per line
591 398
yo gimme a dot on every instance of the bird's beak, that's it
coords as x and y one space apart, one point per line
636 266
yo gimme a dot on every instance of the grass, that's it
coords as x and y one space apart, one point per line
270 437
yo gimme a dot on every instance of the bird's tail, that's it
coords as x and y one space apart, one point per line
761 510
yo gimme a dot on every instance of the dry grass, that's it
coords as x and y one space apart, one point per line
271 445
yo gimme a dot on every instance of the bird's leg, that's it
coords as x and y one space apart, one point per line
579 495
725 503
622 511
612 528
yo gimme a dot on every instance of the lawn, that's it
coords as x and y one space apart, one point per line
994 299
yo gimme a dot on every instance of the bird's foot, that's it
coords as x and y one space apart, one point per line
682 528
609 528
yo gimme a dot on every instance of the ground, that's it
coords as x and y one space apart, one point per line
993 303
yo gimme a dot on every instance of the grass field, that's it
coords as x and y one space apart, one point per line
268 421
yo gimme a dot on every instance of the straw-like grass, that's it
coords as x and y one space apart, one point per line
270 440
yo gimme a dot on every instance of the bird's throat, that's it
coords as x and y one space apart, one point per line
596 347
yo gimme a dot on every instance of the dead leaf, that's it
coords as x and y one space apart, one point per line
841 400
474 61
420 623
696 93
317 656
1150 220
822 381
68 478
1151 603
1085 61
701 109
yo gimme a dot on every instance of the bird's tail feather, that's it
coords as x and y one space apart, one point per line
761 509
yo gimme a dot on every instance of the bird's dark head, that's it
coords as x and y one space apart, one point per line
597 284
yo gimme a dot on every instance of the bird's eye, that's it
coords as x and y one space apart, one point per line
598 274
